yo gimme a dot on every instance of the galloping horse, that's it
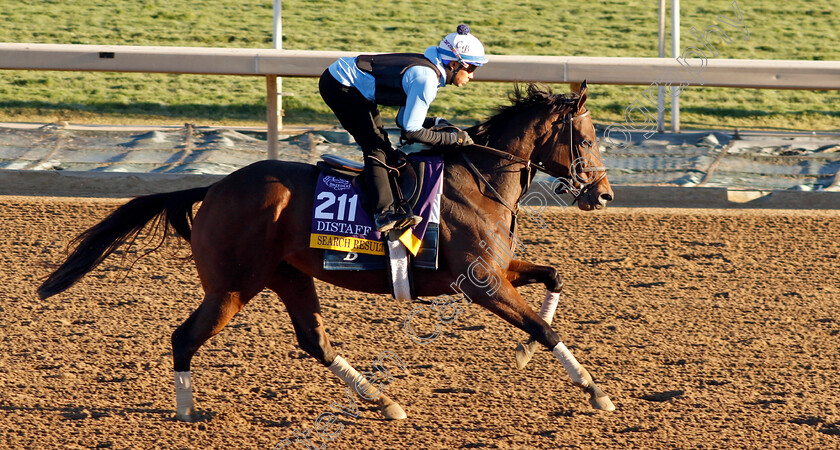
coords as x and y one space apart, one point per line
251 232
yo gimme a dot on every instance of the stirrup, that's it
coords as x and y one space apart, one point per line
385 221
408 221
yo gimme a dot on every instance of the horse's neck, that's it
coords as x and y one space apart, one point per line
503 175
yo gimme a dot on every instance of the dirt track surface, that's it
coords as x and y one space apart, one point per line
709 329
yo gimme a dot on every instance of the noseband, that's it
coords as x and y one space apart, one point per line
567 122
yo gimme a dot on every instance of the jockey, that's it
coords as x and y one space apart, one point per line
353 87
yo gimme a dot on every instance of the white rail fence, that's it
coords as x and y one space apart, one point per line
739 73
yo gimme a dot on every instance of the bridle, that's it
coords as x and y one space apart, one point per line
567 122
574 172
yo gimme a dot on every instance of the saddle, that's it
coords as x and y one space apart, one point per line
403 249
406 185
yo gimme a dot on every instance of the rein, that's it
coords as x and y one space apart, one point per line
513 209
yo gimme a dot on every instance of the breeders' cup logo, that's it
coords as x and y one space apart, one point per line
462 47
337 184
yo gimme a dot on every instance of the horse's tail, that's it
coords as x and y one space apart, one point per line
173 209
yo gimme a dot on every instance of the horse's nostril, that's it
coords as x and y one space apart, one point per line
605 197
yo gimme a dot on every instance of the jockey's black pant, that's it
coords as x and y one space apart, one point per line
360 117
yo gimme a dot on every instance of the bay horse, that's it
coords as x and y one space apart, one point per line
251 232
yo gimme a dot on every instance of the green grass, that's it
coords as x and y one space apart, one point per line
797 29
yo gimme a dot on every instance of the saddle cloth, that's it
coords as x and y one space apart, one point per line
342 227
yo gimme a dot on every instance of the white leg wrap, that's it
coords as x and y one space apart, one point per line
183 394
549 306
526 350
389 408
398 259
575 370
351 377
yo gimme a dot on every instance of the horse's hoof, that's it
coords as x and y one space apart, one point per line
599 400
394 412
524 353
602 403
188 416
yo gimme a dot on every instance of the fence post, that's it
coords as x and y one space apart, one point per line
278 45
660 97
274 104
273 114
675 52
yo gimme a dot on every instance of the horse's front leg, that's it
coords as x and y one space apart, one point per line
504 301
520 273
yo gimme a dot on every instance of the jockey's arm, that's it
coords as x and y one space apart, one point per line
421 85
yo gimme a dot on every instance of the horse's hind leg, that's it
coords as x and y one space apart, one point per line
297 290
205 322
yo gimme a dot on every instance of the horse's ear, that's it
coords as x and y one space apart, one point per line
582 95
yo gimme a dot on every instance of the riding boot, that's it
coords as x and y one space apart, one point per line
403 214
379 190
381 196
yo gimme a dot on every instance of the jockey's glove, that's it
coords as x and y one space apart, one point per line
437 123
462 138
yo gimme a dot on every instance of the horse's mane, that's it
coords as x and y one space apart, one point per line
522 99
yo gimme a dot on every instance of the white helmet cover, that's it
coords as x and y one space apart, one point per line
462 46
